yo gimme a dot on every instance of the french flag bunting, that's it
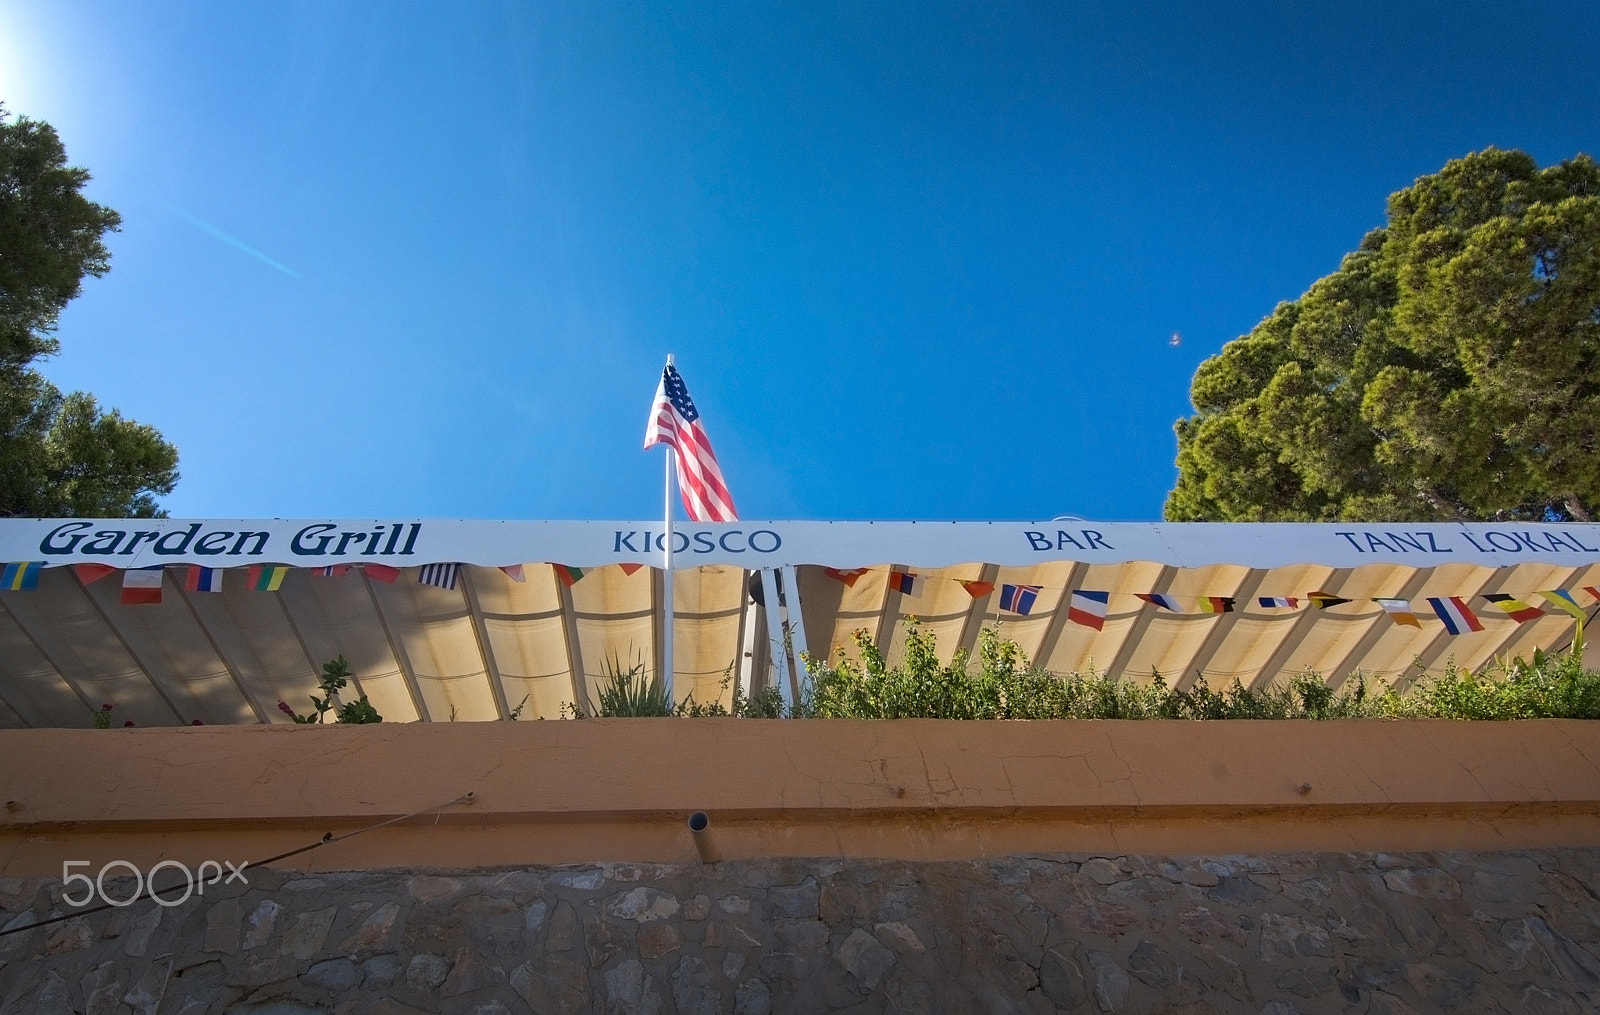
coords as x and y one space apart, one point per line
1458 619
141 586
903 582
439 575
1088 608
1278 602
1019 598
1158 599
203 579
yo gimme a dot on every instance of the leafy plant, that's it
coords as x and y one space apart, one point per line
335 675
625 693
1545 687
1001 684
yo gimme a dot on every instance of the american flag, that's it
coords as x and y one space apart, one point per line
675 422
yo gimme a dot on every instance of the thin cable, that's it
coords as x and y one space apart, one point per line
328 838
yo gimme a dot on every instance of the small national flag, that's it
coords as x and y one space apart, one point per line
1216 604
1323 600
513 571
203 579
1593 592
1019 598
1088 608
266 577
848 577
568 576
977 590
332 570
22 576
1458 619
1561 599
1278 602
381 572
629 568
1399 611
1520 611
675 422
903 582
142 585
91 573
439 575
1161 600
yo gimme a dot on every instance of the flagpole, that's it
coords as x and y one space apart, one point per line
666 666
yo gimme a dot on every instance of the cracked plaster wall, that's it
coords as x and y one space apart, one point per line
562 792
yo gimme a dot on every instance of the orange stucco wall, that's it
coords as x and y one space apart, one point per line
620 790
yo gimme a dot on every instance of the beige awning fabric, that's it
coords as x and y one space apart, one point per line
492 646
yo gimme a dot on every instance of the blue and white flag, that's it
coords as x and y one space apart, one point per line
440 575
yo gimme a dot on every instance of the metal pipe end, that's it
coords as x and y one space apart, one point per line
700 831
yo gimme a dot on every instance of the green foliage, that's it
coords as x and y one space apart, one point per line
1000 683
626 693
335 675
60 455
766 703
1450 369
102 717
1543 688
630 693
1003 685
49 237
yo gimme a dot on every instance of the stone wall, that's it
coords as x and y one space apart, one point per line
1272 934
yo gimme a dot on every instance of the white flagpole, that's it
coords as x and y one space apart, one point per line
666 666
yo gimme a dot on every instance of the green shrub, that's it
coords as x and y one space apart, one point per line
1545 687
1002 684
628 694
335 675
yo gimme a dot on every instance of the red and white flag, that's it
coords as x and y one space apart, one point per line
675 422
142 585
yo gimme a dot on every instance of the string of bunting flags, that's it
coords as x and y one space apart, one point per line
142 586
1088 607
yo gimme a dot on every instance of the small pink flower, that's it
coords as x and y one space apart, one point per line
128 723
283 706
106 707
197 722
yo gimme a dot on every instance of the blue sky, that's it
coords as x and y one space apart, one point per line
914 261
